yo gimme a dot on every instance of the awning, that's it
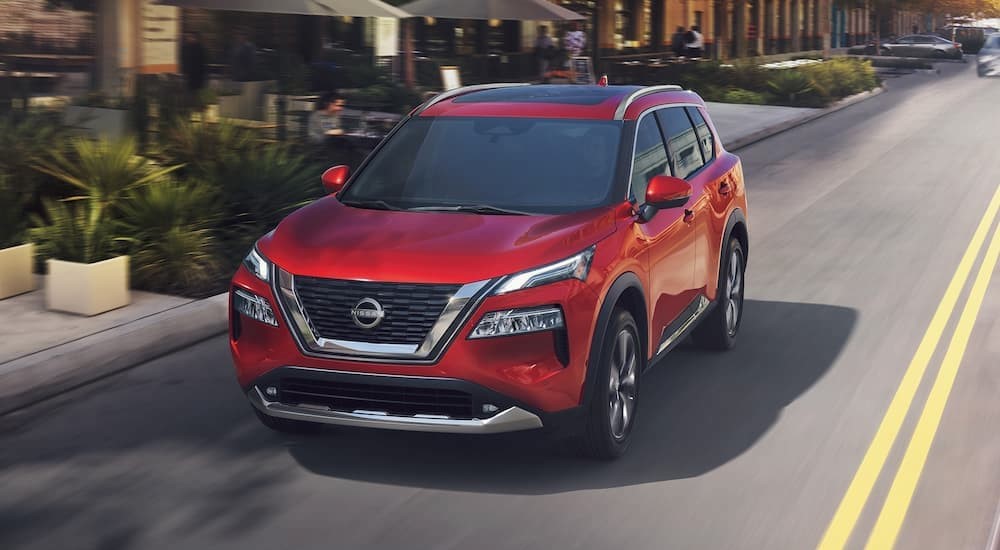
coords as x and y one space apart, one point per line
332 8
513 10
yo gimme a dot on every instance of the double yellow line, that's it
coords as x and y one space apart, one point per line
894 509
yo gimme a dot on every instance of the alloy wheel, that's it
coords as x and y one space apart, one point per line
734 291
622 383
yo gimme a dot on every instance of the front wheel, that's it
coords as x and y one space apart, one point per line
718 330
612 411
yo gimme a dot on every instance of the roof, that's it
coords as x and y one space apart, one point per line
551 101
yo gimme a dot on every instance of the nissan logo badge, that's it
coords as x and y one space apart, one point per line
368 313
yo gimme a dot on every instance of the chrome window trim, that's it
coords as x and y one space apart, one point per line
634 96
635 137
455 314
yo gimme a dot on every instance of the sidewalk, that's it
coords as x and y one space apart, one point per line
44 353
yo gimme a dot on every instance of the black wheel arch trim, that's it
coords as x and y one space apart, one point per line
624 282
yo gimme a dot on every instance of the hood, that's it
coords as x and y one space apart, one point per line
329 239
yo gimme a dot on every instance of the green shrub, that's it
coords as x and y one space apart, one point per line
793 87
104 171
26 139
737 95
74 231
258 191
12 212
841 77
169 231
201 147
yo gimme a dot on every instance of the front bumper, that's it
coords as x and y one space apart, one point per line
388 402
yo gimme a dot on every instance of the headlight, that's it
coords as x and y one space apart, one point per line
254 307
518 321
258 265
574 267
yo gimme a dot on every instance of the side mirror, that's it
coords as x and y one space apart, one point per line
335 178
664 192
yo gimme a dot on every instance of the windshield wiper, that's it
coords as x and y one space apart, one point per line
372 204
474 209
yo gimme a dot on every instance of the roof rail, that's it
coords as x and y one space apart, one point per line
623 106
462 91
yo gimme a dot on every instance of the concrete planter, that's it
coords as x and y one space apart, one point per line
87 289
249 103
98 121
16 275
230 106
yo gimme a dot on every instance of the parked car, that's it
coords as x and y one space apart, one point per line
510 257
922 45
988 58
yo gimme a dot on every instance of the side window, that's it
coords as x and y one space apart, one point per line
682 140
704 134
650 157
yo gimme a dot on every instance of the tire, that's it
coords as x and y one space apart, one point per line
718 331
611 416
287 426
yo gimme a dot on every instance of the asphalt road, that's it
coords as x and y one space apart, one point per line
859 222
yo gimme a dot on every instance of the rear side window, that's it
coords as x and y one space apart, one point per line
704 134
682 141
994 42
650 157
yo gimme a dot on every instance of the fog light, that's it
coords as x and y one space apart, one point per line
254 307
518 321
271 391
490 408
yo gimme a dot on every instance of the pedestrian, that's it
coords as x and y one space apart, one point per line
696 43
325 120
575 41
916 29
544 48
677 43
193 65
243 59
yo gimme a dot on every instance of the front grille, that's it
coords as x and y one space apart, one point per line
410 309
394 400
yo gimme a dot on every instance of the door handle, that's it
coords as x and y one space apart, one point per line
688 215
724 188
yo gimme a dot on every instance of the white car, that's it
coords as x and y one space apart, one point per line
988 58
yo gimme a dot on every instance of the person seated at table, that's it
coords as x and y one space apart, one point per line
325 120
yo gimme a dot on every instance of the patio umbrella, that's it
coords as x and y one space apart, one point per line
512 10
333 8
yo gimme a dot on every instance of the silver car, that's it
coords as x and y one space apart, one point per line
922 45
988 58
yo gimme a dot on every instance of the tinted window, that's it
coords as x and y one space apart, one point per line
704 134
905 40
534 165
650 157
682 140
925 40
994 42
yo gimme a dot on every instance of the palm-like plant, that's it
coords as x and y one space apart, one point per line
74 231
169 227
103 171
258 191
26 139
201 146
12 204
790 85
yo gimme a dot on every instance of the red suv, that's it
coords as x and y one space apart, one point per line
510 257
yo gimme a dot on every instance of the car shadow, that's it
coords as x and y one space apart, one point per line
699 410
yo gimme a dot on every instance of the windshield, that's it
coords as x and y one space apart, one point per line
543 166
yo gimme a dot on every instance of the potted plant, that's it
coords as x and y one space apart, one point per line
88 274
16 255
100 116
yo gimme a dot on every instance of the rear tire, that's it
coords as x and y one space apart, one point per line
718 331
611 414
287 426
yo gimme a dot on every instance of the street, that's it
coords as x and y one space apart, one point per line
859 220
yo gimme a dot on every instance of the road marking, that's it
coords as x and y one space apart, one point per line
890 520
846 516
995 531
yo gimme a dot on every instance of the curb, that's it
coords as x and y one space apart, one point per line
770 131
44 374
